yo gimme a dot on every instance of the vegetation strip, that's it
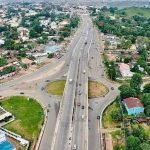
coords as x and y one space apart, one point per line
96 89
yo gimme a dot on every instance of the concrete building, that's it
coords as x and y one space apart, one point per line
125 70
133 106
53 25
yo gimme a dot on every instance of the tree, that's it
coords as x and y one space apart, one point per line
61 38
51 55
74 21
147 110
127 59
139 132
112 71
145 146
32 33
133 143
135 68
126 91
146 88
136 82
3 61
126 44
116 115
146 99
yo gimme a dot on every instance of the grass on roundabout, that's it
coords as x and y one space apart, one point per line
56 87
95 89
29 116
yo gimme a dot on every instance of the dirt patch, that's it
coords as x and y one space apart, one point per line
97 89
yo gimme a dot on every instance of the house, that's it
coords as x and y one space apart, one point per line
2 42
45 22
133 106
23 34
53 25
125 70
23 31
63 24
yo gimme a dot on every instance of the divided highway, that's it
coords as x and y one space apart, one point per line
80 122
63 139
75 126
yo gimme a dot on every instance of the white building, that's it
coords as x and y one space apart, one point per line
2 137
125 70
53 25
2 42
45 22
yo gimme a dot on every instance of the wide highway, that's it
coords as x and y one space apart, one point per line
65 128
80 122
52 71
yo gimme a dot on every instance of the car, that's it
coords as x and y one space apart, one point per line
47 81
112 88
98 117
21 92
85 43
78 104
70 80
84 71
79 93
82 107
74 147
82 116
42 88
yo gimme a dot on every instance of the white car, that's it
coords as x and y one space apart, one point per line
75 147
82 116
84 71
70 80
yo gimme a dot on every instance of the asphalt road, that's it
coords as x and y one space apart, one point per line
37 79
96 73
75 60
80 123
65 126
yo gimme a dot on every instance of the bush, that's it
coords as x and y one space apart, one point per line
7 70
51 55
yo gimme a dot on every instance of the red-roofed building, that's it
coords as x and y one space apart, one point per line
133 106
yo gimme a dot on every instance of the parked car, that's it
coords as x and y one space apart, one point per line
21 92
112 88
70 80
98 117
78 104
74 147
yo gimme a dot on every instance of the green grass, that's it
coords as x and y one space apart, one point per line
107 116
95 89
132 11
29 116
56 87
